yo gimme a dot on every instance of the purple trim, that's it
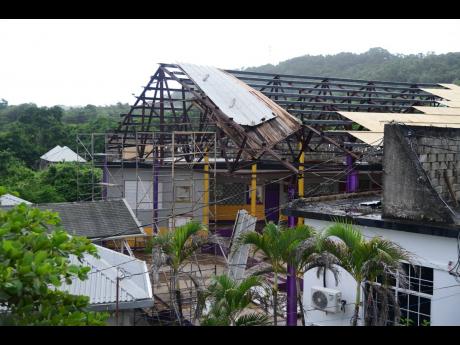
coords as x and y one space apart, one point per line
225 232
272 202
352 184
155 192
291 297
291 277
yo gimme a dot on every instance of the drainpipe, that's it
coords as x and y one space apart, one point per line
291 277
352 185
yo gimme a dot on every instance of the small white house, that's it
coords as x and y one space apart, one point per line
8 200
60 154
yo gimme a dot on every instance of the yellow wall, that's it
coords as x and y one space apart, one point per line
228 212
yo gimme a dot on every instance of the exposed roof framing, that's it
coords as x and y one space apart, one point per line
184 97
308 95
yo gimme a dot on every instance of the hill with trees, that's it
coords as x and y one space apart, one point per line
375 64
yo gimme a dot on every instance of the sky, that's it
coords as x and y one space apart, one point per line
79 62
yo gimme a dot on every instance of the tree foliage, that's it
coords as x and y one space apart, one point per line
228 300
56 183
366 260
34 263
375 64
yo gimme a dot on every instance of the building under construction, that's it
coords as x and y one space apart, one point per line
203 143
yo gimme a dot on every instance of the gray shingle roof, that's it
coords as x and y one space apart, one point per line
96 219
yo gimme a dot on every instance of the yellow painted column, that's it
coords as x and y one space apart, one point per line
300 180
253 189
206 189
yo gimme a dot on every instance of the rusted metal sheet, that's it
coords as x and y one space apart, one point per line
228 94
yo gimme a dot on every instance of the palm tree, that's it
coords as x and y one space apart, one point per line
228 300
178 245
279 245
364 259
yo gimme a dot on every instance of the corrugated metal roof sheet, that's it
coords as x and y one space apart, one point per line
446 111
451 104
370 138
226 93
62 154
375 122
101 284
94 219
451 94
451 86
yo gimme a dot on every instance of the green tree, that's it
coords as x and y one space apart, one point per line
279 245
72 181
228 299
365 260
178 245
34 263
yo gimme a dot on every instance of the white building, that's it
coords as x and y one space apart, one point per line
434 294
60 154
418 209
134 286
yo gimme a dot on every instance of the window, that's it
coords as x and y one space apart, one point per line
414 297
183 193
229 193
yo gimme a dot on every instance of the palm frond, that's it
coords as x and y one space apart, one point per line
253 319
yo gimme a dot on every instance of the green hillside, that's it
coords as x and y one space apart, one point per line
375 64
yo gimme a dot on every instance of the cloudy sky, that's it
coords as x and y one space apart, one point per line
79 62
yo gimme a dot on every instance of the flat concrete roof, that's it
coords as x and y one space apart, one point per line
362 210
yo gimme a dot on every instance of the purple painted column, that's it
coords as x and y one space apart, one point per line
155 192
291 277
352 176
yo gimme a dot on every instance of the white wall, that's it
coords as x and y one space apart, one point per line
429 251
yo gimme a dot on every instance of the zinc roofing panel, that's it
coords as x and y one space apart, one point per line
376 121
101 284
446 111
368 137
451 104
232 99
450 94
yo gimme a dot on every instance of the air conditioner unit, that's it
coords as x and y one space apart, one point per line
325 299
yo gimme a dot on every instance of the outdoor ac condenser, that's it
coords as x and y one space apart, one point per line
325 299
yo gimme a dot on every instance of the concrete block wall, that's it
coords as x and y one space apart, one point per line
438 150
414 165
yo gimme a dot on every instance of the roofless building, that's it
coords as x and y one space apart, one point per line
202 142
